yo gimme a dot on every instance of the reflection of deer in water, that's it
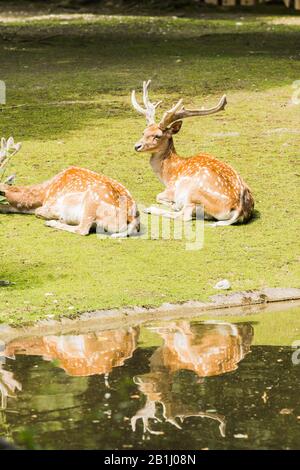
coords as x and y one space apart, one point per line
80 355
8 386
207 349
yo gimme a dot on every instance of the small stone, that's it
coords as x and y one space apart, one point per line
286 411
5 283
224 284
241 436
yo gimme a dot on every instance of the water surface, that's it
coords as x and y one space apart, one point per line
172 385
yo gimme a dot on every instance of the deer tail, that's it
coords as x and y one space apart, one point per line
246 205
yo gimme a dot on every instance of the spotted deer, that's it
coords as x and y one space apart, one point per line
206 349
97 352
201 180
75 200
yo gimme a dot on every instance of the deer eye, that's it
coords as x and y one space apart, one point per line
157 136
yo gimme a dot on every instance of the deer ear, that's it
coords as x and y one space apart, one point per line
175 127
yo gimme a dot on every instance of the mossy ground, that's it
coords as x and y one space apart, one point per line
75 77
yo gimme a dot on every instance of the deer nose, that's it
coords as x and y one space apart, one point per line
138 147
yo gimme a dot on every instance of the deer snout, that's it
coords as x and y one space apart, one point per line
138 147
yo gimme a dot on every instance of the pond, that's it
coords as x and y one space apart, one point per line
225 383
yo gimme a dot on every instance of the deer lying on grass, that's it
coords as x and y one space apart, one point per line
199 180
75 200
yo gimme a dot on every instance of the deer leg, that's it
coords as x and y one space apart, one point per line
164 213
44 212
186 213
86 222
8 209
235 214
132 229
166 197
82 229
61 226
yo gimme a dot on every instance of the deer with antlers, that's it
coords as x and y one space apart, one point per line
208 349
201 180
75 200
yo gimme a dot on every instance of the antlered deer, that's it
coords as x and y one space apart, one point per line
207 349
199 180
75 200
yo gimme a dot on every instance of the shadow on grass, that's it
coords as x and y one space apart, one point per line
186 9
101 63
255 217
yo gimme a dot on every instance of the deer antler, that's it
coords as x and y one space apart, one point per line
149 110
145 414
8 149
8 385
179 112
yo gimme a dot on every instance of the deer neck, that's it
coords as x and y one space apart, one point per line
164 162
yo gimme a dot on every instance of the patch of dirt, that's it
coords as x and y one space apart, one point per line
25 17
288 21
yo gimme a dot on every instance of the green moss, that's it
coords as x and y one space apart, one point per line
75 80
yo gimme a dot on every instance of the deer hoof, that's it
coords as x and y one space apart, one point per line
51 223
119 235
147 210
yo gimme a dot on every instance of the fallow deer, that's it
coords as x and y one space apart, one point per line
208 349
79 355
201 180
75 200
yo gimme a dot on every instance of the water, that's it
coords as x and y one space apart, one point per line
173 385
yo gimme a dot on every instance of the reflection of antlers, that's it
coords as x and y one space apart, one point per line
146 413
149 412
171 415
8 385
200 414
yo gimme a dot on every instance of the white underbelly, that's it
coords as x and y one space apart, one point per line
69 208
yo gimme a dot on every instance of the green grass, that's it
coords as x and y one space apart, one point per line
46 63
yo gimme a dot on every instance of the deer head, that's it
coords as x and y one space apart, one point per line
156 137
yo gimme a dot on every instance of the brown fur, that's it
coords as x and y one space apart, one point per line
99 200
199 180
